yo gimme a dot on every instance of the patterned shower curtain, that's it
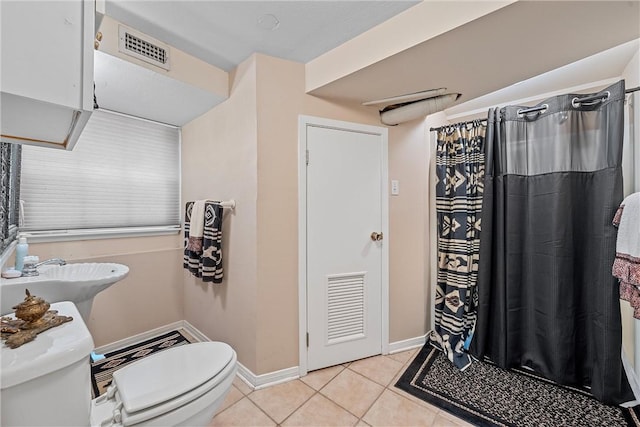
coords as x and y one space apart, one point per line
460 173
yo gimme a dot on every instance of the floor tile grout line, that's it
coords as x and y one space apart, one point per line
246 396
371 379
391 387
301 405
372 403
340 406
319 391
384 387
365 377
331 379
262 410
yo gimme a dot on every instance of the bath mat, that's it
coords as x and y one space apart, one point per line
102 370
486 395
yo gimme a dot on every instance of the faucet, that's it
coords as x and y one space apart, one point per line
31 268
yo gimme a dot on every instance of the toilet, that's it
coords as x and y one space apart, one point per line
47 382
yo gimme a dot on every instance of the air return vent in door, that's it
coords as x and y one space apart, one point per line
143 47
345 307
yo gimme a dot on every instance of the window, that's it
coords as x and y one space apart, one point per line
9 200
123 175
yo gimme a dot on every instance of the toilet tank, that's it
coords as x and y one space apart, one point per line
47 382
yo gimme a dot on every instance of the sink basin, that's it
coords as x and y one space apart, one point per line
78 283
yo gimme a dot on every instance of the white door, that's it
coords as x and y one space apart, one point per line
346 266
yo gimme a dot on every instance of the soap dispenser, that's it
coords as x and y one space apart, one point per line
22 250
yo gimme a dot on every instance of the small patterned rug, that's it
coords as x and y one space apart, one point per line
486 395
102 370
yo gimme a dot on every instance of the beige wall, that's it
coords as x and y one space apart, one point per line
219 161
392 37
409 293
269 298
280 89
147 298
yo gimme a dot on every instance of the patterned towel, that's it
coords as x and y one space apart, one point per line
206 262
626 266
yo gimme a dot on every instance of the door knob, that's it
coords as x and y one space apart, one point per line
376 237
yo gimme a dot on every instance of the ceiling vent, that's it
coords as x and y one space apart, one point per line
143 47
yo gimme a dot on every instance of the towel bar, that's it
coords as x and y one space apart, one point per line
228 204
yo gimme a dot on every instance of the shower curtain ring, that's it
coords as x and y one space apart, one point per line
589 100
541 109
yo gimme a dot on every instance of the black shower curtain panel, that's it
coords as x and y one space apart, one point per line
547 299
459 171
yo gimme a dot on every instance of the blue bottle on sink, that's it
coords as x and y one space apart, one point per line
22 250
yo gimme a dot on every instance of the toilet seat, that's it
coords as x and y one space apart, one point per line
166 381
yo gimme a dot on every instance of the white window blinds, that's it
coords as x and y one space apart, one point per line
123 172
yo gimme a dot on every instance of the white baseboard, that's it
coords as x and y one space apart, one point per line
408 344
195 332
272 378
152 333
265 380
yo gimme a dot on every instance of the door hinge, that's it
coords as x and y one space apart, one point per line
307 157
307 339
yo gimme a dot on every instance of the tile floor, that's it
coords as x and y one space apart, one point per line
360 393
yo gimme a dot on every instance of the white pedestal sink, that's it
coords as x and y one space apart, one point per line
78 283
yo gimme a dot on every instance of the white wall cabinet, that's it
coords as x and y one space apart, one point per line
46 77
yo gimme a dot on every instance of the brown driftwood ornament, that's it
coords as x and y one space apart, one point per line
32 317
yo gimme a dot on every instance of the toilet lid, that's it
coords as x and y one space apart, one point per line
170 373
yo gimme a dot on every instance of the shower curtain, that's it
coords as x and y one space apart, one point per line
459 171
546 296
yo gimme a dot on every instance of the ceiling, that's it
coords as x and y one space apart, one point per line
510 45
225 33
588 74
502 49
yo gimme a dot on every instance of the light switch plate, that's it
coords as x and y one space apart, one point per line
395 187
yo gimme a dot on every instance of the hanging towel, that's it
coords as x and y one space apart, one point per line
207 261
626 266
194 242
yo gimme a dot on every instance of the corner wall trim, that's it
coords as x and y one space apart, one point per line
258 382
408 344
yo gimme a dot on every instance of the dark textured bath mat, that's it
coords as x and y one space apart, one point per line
485 395
102 370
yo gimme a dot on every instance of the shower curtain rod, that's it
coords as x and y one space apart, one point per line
529 110
458 124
